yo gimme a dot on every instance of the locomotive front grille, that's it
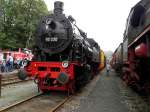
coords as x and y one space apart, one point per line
52 69
55 69
42 68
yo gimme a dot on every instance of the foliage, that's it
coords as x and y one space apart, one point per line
18 21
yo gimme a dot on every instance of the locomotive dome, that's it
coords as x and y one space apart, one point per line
54 31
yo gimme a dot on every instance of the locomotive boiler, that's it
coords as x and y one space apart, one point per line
64 58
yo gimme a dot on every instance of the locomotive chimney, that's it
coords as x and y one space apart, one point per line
58 7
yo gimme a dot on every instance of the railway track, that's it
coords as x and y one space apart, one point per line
50 102
12 80
33 100
5 83
60 104
6 108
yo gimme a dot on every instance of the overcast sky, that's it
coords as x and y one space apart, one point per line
103 20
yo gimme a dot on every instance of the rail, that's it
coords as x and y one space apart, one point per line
53 109
14 82
2 109
60 104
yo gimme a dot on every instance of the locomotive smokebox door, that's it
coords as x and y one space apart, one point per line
55 31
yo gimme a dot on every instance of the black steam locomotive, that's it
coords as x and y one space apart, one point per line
58 38
64 57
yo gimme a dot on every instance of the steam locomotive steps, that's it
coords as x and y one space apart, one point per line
55 103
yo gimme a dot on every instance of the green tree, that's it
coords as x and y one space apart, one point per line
18 19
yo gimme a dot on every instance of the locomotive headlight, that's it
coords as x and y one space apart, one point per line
65 64
25 62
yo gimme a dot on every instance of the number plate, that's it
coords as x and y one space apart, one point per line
53 39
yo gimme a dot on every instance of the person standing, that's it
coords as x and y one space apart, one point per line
10 62
107 68
7 64
4 67
1 60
